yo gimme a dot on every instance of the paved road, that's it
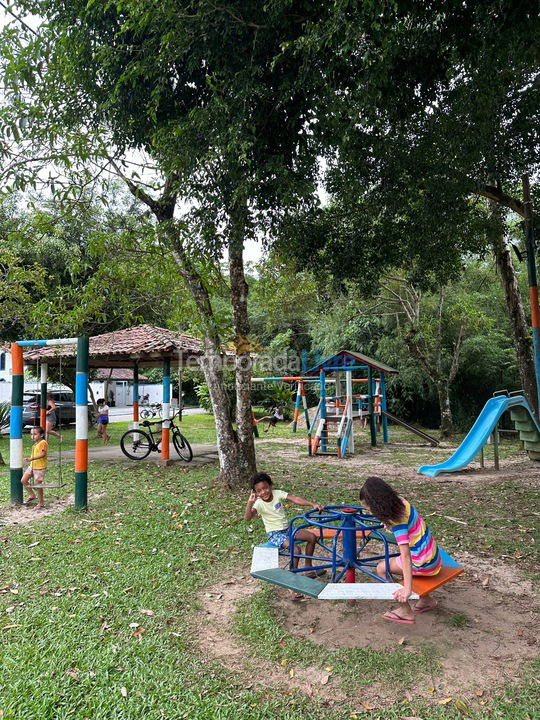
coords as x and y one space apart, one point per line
125 414
202 455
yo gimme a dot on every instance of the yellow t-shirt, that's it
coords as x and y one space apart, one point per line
37 449
272 512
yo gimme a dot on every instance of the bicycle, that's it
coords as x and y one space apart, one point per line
137 444
152 410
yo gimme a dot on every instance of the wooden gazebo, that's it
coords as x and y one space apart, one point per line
144 346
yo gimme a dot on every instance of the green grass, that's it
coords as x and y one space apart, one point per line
258 618
458 620
73 586
197 428
70 601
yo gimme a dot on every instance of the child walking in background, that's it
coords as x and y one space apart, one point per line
51 419
103 420
38 465
273 419
418 551
268 504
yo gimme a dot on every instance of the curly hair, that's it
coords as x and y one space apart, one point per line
260 477
384 502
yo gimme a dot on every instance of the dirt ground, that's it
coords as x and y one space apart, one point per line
381 461
502 631
495 601
23 515
484 627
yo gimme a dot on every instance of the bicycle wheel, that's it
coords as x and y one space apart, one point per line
145 413
136 444
182 446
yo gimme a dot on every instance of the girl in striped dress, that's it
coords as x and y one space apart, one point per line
418 551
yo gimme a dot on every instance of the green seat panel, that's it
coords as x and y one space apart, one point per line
291 581
390 537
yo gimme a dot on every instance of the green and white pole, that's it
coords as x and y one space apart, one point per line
16 424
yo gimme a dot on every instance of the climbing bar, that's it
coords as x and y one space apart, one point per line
46 343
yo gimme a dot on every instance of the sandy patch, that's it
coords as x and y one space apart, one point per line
502 632
23 515
216 642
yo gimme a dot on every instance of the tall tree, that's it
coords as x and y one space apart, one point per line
224 116
438 107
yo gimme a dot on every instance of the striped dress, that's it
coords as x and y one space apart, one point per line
413 531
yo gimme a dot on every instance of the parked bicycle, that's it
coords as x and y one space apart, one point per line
150 411
137 444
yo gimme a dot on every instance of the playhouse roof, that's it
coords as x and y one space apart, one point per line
345 359
145 344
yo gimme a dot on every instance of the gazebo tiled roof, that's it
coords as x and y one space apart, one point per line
147 345
117 374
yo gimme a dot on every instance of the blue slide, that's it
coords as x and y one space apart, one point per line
486 422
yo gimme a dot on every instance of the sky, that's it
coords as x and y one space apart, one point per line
252 250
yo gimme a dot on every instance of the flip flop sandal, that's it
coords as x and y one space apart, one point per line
425 609
39 507
29 500
296 597
394 617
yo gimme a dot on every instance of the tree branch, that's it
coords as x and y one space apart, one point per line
494 193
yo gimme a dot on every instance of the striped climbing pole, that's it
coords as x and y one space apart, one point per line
43 396
166 409
300 401
297 406
81 426
384 408
16 424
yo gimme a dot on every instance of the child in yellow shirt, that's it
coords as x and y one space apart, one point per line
38 466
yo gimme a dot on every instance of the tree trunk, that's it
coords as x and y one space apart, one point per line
443 393
441 383
235 461
516 312
247 465
236 450
234 471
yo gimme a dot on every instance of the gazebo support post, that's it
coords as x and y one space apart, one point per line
44 371
166 410
81 425
135 395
